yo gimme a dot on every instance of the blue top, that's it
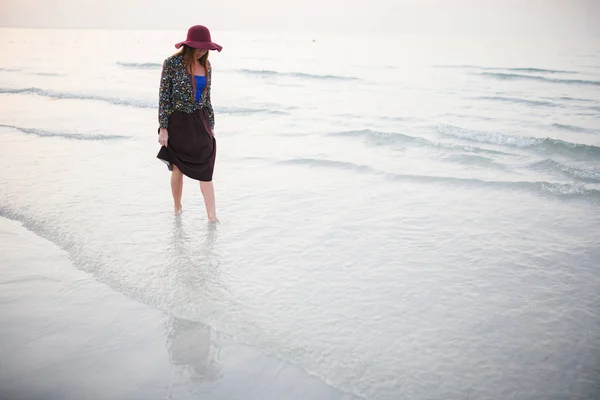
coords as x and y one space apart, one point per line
200 84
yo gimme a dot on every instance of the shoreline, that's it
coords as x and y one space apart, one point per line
65 335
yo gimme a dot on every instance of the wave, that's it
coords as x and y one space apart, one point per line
507 76
32 73
388 137
573 128
302 75
582 174
392 138
130 102
517 69
517 100
576 99
563 190
75 136
544 144
313 162
45 74
388 118
78 96
139 65
556 102
246 111
537 70
473 159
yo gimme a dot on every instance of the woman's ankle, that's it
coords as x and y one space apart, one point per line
213 218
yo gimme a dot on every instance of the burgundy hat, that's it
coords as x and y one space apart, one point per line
198 37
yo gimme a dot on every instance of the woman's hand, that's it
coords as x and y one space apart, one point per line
163 137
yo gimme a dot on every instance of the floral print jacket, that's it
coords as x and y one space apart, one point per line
177 94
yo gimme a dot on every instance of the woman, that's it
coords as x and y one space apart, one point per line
186 117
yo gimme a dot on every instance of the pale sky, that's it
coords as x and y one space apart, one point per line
540 17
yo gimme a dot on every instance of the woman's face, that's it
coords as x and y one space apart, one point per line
199 53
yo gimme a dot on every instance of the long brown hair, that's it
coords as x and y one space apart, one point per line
189 60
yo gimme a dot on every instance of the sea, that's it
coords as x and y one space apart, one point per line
401 216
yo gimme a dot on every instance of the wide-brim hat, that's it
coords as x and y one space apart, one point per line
198 37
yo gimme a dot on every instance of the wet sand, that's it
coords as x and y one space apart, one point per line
64 335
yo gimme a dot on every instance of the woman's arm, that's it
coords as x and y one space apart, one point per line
211 114
164 96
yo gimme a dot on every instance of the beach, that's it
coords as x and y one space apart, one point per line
66 336
419 222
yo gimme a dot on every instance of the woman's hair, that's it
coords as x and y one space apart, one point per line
188 59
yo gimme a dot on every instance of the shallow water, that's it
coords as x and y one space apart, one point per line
67 336
415 223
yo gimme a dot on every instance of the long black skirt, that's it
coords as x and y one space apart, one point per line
191 145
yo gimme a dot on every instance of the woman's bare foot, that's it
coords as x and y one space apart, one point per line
208 192
178 209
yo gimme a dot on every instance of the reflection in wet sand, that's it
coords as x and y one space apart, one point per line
192 268
191 347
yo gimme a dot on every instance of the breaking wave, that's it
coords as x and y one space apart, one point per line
544 144
517 69
517 100
508 76
246 111
131 102
80 96
573 128
561 190
582 174
268 73
74 136
139 65
392 138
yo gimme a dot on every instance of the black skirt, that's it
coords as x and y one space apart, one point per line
191 146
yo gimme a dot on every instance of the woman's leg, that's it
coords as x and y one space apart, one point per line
176 187
208 192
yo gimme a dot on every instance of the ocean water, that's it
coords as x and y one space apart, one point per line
401 217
